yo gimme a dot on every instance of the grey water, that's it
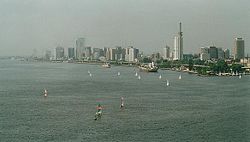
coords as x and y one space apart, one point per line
191 109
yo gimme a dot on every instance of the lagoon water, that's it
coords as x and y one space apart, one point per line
191 109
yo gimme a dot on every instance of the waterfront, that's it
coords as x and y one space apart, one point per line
191 109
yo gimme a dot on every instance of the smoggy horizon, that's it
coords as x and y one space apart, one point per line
145 24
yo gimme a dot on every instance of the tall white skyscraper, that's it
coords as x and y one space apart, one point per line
80 46
178 46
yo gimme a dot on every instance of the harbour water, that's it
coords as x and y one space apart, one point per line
191 109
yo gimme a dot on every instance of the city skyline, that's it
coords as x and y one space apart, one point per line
147 25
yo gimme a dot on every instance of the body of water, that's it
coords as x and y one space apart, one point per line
191 109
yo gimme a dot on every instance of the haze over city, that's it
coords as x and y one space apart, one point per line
145 24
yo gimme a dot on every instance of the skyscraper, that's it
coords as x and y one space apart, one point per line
71 53
239 48
226 53
213 52
166 52
59 53
178 46
80 45
204 55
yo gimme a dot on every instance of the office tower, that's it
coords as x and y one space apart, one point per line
204 53
213 52
71 53
80 45
48 55
166 52
220 53
88 52
59 53
226 54
239 48
96 53
178 46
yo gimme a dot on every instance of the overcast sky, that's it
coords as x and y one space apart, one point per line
149 25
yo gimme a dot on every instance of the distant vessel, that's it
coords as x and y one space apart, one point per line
240 76
90 75
167 83
139 77
106 65
45 93
151 67
180 77
136 74
160 77
118 74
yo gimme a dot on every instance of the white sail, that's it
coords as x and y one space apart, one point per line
160 77
139 77
118 73
167 83
180 77
136 74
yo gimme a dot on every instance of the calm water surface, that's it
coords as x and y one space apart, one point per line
191 109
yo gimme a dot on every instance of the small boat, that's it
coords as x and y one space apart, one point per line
88 72
106 65
45 93
180 77
139 77
160 77
168 83
118 74
239 76
90 75
136 74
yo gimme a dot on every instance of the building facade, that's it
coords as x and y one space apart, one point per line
80 45
239 49
178 46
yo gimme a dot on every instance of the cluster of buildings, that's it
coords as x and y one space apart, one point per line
214 53
131 54
83 53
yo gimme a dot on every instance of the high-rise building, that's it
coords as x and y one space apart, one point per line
178 46
204 53
59 53
220 53
96 53
239 48
166 52
213 52
88 52
48 55
71 53
226 54
80 45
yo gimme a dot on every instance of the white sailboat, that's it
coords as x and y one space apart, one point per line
168 83
88 72
45 93
180 77
240 76
118 74
136 74
139 77
90 75
160 76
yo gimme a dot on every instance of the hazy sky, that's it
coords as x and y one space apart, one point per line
149 25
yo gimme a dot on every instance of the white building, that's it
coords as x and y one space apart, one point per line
204 53
178 46
166 52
